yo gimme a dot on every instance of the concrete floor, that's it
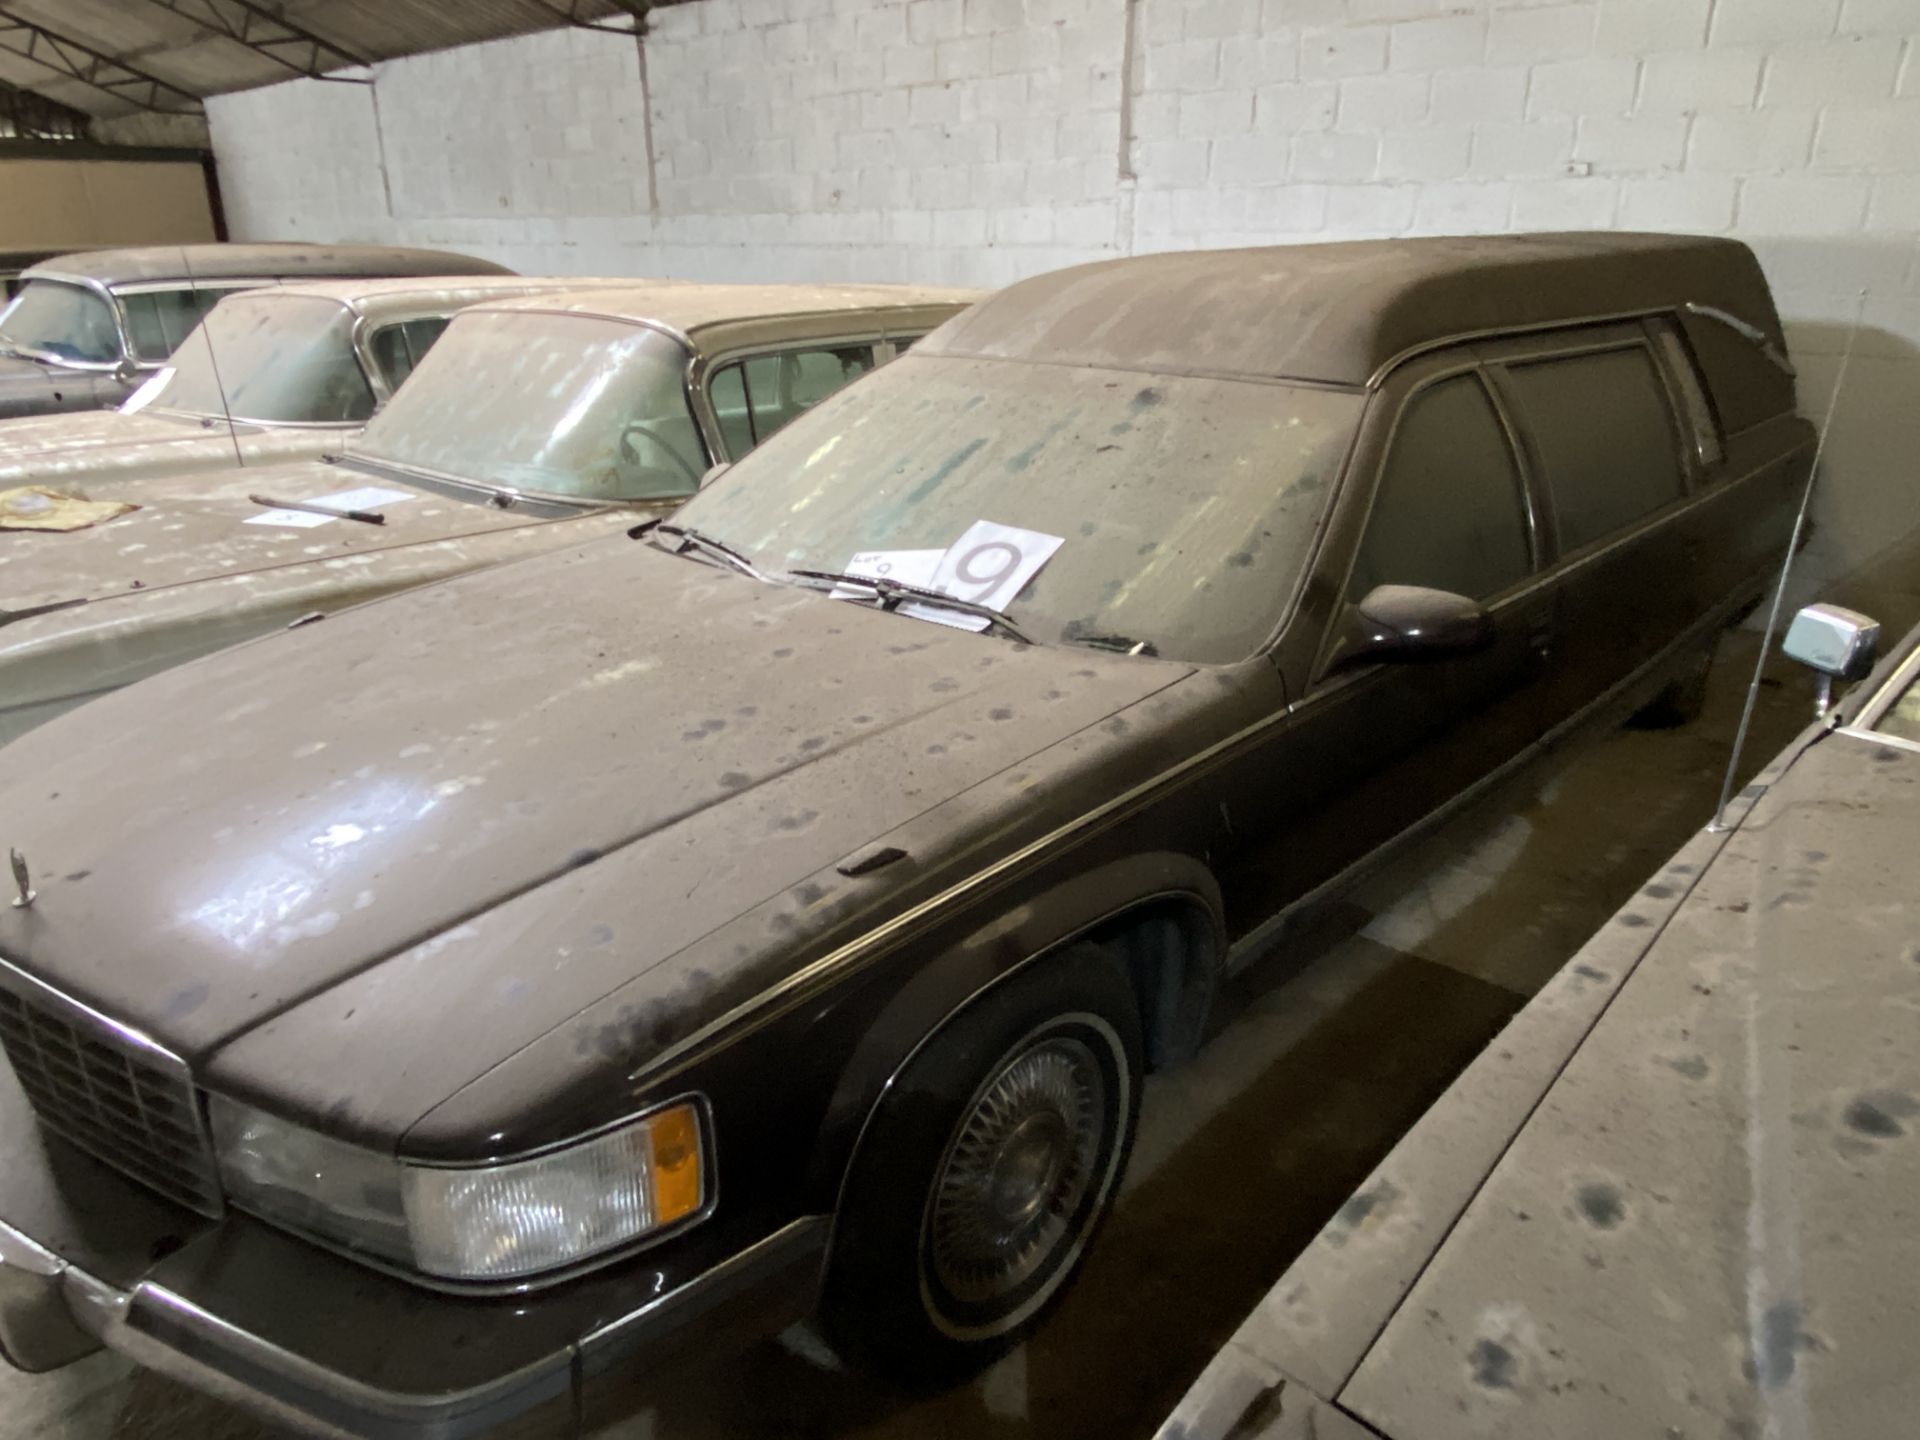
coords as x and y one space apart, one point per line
1329 1050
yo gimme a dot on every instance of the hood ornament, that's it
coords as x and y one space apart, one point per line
20 880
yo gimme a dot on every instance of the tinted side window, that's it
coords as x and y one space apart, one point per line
398 348
161 319
1449 512
756 397
1605 436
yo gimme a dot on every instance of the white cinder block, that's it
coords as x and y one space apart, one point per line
1803 205
1623 147
1595 85
1333 156
1869 137
1638 27
1702 204
1185 65
1215 19
1276 14
909 64
1565 204
1028 48
1765 143
1690 82
1286 210
1839 72
1878 17
1517 152
963 59
1249 160
1261 60
1468 97
1224 112
1457 209
1166 163
1382 102
1895 205
1369 210
1773 22
1551 32
1335 54
1294 109
1443 43
1431 153
929 21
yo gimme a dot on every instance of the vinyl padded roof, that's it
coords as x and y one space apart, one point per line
1339 313
275 260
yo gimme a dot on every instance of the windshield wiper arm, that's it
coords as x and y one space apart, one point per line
1119 644
366 517
691 539
893 593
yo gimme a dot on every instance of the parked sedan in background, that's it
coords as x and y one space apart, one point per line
533 423
783 900
1674 1196
84 330
278 374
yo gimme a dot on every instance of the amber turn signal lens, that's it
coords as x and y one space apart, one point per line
678 1180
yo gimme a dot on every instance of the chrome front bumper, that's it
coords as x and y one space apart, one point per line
52 1313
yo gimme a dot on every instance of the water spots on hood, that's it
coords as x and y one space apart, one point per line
1876 1114
1600 1204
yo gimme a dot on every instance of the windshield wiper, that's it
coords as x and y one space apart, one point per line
366 517
1119 644
893 593
691 539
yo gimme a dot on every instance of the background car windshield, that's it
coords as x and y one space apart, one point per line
1187 506
561 404
281 359
53 319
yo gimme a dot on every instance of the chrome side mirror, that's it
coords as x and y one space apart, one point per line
126 370
1411 622
1837 644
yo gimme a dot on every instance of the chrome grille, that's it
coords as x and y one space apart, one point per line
127 1103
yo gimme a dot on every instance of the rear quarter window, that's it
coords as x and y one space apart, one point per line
1605 434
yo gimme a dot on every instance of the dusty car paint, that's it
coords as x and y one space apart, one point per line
1667 1198
38 382
187 573
635 827
106 447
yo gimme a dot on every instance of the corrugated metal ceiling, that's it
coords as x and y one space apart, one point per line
118 57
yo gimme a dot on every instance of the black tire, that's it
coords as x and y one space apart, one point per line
1681 701
985 1172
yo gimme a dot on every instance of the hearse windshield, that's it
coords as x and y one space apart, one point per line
1185 508
277 359
53 320
568 405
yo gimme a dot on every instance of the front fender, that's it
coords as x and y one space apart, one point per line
1175 999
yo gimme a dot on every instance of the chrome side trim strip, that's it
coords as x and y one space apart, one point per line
1897 742
1889 693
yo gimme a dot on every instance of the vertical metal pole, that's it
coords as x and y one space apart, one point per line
1786 570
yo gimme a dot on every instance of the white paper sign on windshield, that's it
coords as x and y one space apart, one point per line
909 567
991 564
148 392
367 497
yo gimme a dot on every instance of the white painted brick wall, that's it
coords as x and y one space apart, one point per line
980 140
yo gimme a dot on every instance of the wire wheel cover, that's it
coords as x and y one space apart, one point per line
1018 1169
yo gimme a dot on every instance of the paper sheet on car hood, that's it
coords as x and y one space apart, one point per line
37 507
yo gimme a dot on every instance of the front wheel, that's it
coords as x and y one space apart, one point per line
986 1170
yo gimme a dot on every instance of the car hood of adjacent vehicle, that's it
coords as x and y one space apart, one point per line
205 526
42 449
221 843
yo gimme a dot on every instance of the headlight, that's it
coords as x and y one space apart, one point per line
484 1222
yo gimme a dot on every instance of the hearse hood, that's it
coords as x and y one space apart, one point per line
34 387
216 845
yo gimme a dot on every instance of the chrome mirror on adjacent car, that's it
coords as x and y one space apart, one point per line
1836 643
1411 622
